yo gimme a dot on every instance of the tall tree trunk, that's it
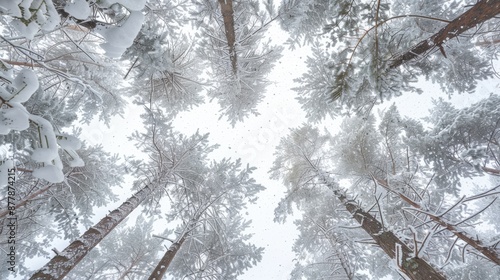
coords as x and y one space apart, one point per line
226 7
488 252
414 268
59 266
479 13
164 263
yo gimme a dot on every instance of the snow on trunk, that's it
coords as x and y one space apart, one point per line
167 258
60 265
414 268
478 14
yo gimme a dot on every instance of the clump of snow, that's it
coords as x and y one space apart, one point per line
53 18
119 38
44 154
5 165
13 118
132 5
57 162
10 7
69 142
49 173
75 161
78 9
39 15
27 31
26 84
48 150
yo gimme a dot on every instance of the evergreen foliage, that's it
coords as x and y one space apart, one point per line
423 190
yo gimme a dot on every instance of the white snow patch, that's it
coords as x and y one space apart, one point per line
26 83
69 142
15 117
28 31
49 173
10 7
53 18
25 6
119 38
40 15
49 147
44 155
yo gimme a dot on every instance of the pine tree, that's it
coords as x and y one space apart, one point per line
479 13
387 176
211 239
462 142
240 59
126 253
171 155
364 42
299 162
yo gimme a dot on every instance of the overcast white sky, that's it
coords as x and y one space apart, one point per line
254 141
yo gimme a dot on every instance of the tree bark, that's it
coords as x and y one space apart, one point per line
226 7
488 252
414 268
479 13
164 263
491 171
59 266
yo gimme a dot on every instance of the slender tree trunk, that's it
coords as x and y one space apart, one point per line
344 263
164 263
488 252
59 266
414 268
482 11
226 7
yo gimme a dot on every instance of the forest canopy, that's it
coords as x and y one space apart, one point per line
372 191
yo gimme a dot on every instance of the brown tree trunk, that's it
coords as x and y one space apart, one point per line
482 11
164 263
226 7
414 268
488 252
59 266
491 171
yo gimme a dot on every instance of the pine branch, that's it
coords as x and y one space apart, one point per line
478 14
